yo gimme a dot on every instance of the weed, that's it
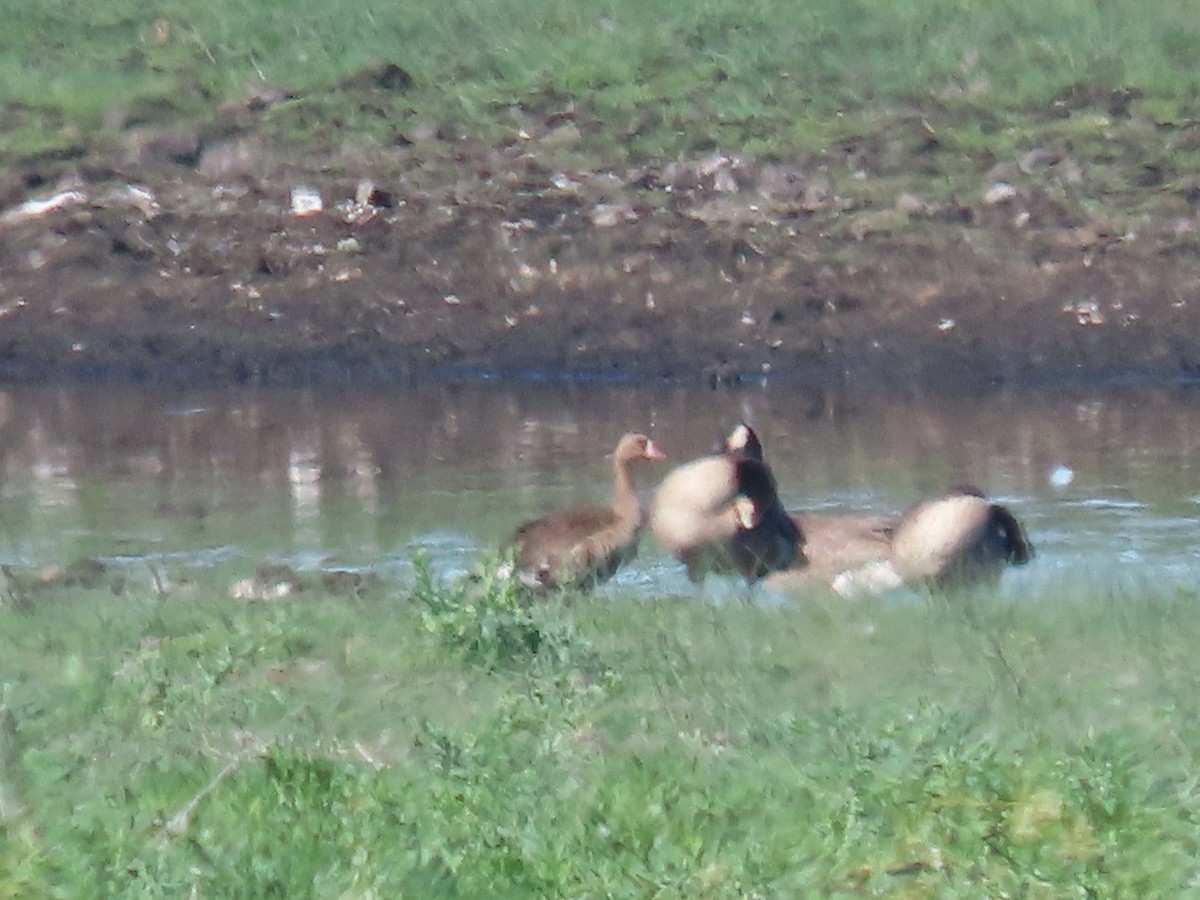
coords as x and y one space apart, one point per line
488 617
163 745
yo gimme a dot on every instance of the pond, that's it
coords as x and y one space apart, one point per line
362 479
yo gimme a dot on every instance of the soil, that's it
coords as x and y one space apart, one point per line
166 260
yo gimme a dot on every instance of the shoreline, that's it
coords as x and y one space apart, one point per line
178 277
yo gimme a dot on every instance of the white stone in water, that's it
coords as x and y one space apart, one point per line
1061 476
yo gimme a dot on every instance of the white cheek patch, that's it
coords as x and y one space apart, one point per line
746 512
738 438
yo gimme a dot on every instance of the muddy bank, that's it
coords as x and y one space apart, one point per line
403 264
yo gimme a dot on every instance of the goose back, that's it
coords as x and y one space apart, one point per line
957 540
722 514
834 542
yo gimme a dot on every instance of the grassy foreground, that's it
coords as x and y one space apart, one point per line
448 741
647 81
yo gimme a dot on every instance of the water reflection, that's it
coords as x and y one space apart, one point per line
363 477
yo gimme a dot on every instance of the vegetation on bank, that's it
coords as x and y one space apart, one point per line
640 81
449 739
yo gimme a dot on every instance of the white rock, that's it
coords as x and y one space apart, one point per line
306 202
1000 192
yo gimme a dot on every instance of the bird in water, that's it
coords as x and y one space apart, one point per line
584 546
956 540
721 514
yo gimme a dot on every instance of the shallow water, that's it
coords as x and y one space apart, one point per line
362 479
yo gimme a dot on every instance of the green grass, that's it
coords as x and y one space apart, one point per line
648 81
455 741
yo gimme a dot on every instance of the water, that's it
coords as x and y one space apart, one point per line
1105 481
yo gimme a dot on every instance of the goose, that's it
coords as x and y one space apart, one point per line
834 543
721 514
956 540
959 539
584 546
828 544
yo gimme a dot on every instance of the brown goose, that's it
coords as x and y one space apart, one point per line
959 539
722 514
584 546
834 543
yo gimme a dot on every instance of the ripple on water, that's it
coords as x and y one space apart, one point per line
362 480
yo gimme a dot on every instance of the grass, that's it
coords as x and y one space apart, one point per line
453 740
770 77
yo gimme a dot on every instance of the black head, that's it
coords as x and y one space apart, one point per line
743 442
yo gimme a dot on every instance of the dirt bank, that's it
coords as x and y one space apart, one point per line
234 264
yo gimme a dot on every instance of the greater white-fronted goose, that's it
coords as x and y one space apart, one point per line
960 539
584 546
722 514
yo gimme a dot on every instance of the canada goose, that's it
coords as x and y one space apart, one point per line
584 546
833 543
959 539
954 541
828 544
722 514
